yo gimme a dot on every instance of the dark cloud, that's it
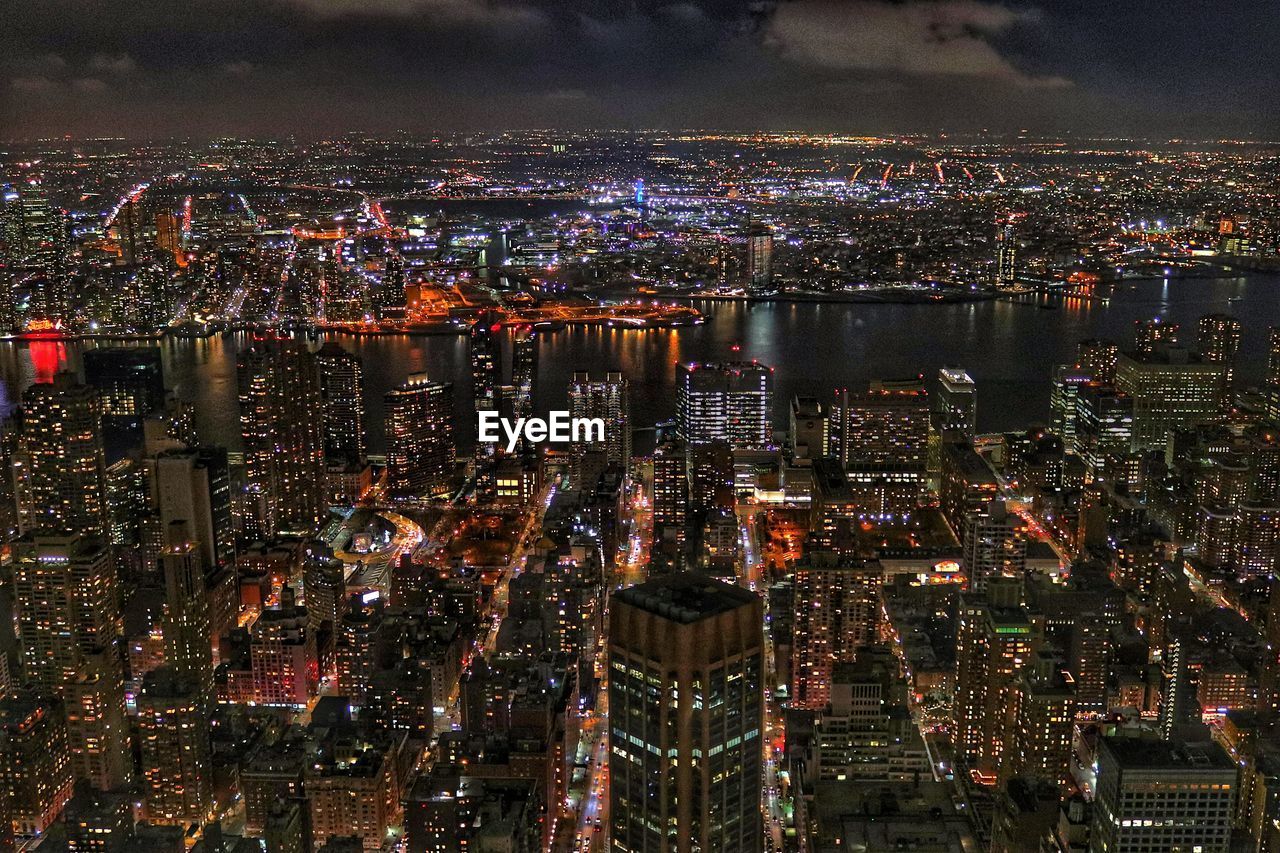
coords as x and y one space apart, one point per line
143 67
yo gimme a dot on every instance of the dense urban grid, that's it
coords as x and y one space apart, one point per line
851 621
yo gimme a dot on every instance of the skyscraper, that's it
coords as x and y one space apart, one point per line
760 261
609 400
486 362
35 765
1006 255
194 486
188 645
730 401
882 439
994 545
1219 343
282 430
686 716
62 434
342 390
524 371
177 766
1098 358
957 402
836 610
670 503
130 381
1162 795
420 446
1171 387
1149 336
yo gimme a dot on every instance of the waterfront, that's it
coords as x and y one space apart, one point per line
1009 348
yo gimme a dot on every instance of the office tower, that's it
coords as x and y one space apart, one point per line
995 545
34 230
995 639
865 733
760 261
357 654
670 502
1171 388
1043 714
486 362
194 486
1067 381
731 401
1256 541
168 233
1150 336
129 231
571 590
836 610
686 713
524 371
188 644
324 580
130 381
1162 795
1006 255
420 447
67 609
36 770
1098 357
711 484
1090 660
177 766
1219 343
98 821
282 431
609 400
1104 433
882 439
967 484
128 493
342 390
62 435
808 428
957 402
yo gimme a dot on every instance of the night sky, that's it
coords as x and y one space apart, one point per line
139 68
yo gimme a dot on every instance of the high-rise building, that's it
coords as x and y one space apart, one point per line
1171 387
731 401
1219 343
609 400
130 381
98 821
421 454
524 372
1162 795
282 431
760 261
686 716
34 230
995 545
486 363
808 429
957 402
1104 432
36 770
836 610
68 618
1006 256
882 439
670 503
1098 357
188 644
194 486
342 390
1068 379
1149 336
62 435
995 640
1043 720
177 765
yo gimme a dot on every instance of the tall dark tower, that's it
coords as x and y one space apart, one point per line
686 696
342 390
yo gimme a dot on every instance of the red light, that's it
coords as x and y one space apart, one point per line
495 327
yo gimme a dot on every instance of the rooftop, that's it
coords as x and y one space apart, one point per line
686 597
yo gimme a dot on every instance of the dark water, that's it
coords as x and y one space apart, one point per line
1010 349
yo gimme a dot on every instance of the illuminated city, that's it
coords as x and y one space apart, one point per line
932 501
